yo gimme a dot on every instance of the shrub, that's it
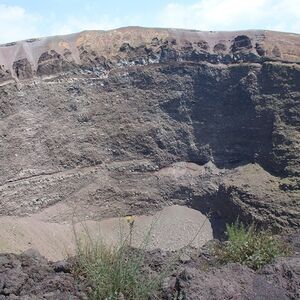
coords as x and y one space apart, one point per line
247 246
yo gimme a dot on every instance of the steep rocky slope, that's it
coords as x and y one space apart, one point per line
135 119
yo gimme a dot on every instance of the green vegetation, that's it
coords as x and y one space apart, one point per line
115 272
247 246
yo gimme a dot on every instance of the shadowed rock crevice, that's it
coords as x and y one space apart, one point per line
233 124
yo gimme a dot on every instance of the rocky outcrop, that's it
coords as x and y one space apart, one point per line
278 281
4 74
195 274
241 43
254 194
51 62
22 69
201 277
31 276
103 51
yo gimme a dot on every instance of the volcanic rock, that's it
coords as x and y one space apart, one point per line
135 119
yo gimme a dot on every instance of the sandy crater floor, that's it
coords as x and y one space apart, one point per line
169 229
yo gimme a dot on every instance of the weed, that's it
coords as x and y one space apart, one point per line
118 271
247 246
115 272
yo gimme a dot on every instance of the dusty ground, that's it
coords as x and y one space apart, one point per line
170 229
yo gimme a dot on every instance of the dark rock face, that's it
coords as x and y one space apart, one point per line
152 117
241 42
22 69
279 281
51 62
90 59
4 74
118 107
30 276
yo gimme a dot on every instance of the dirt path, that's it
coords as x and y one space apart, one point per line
170 229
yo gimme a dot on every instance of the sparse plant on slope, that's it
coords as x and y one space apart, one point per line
250 247
120 271
115 272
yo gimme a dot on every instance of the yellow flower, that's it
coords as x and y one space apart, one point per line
130 220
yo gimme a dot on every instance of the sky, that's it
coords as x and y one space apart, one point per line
23 19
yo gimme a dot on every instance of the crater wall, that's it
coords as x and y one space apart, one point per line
91 118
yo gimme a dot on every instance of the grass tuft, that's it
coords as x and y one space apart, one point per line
120 272
115 272
249 247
